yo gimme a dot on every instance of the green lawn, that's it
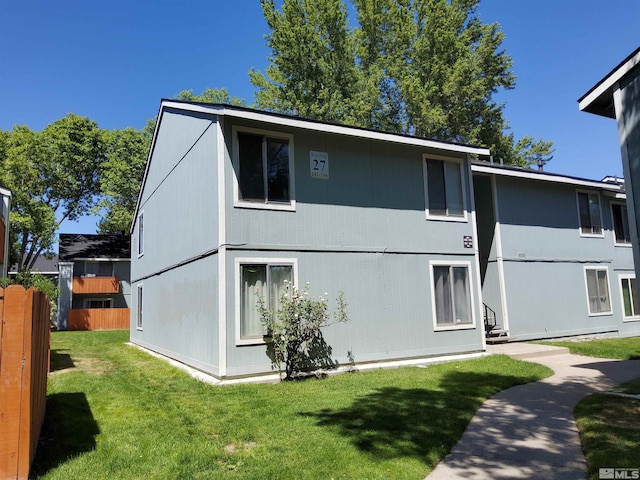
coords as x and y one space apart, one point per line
116 412
609 425
621 348
610 429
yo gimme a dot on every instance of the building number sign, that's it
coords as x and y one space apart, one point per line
319 164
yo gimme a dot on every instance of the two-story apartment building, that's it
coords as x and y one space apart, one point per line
235 201
94 282
555 254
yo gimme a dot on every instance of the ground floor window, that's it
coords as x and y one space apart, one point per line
139 310
98 303
630 305
598 291
451 292
260 280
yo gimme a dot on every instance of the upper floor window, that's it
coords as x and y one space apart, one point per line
589 211
264 167
141 234
98 269
444 189
620 223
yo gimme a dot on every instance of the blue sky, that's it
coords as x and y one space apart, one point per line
114 60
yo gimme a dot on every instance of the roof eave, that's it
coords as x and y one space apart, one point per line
599 99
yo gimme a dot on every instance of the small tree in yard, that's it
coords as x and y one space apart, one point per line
295 329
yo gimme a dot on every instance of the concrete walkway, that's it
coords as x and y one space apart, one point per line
528 431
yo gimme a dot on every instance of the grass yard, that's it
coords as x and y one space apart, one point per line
610 429
116 412
621 348
609 425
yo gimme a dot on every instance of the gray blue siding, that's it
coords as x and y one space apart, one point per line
178 269
544 259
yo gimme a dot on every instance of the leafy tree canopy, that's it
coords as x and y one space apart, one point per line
211 95
53 175
422 67
126 154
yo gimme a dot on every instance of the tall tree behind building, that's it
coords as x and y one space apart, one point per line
422 67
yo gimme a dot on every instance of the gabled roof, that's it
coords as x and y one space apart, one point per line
519 172
90 246
279 119
599 99
43 264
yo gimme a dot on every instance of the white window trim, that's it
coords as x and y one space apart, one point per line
627 276
239 203
463 180
463 326
139 243
586 291
613 226
590 235
139 309
85 301
257 261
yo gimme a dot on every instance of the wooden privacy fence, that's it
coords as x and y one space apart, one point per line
98 318
24 366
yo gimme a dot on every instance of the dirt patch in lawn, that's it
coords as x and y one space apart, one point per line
93 366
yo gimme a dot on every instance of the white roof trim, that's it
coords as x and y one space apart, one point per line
327 128
544 177
609 81
5 192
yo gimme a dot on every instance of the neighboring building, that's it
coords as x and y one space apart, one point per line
236 201
45 265
555 254
617 96
94 282
5 208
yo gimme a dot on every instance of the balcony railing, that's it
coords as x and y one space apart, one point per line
95 285
98 318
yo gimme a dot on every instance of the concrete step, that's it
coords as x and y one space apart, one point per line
524 351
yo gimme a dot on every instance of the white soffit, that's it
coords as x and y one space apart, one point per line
609 81
326 127
544 177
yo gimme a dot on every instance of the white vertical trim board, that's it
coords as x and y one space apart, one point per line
476 253
222 250
499 257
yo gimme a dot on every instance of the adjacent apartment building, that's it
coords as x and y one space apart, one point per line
94 282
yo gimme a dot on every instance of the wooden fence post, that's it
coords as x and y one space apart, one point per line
24 366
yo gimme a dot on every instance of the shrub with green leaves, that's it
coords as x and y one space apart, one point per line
294 330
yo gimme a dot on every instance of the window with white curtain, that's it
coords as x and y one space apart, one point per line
260 280
452 295
444 186
599 301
